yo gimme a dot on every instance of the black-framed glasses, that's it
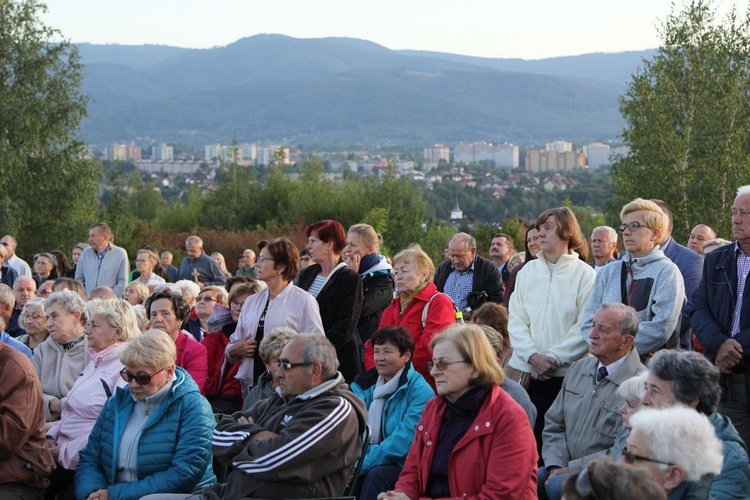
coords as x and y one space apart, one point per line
286 365
633 226
442 364
141 378
631 458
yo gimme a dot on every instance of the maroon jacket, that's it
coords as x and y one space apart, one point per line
24 456
496 458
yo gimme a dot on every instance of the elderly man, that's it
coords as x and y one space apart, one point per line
166 264
546 308
248 265
689 265
198 266
721 315
689 379
103 263
7 300
469 279
603 247
698 236
25 460
501 249
665 443
24 289
302 441
585 417
14 261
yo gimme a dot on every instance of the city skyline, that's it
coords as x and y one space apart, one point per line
484 28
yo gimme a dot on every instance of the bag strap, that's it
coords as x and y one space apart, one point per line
458 314
624 282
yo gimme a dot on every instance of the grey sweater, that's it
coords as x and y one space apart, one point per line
656 291
113 271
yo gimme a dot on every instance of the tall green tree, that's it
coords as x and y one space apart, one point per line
688 119
48 186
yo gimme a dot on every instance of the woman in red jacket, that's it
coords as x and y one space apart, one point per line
473 441
413 270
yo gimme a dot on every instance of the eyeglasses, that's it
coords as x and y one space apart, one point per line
141 378
36 317
205 298
264 259
286 365
442 364
633 226
631 457
44 292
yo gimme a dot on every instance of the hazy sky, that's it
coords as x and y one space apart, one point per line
529 29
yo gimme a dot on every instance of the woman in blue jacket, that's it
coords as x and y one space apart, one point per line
154 435
395 395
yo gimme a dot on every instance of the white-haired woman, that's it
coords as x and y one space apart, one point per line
113 323
34 322
154 435
270 351
61 358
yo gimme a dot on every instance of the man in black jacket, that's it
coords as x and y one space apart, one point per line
469 279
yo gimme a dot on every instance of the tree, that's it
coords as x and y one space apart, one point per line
688 120
48 186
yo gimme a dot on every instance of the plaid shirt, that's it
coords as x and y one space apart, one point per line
743 268
459 285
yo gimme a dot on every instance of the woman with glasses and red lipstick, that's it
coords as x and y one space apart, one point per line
153 435
473 440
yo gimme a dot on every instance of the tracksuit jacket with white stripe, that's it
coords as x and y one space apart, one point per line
319 441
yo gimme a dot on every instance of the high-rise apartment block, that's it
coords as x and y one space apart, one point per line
124 152
542 161
162 152
597 154
559 146
436 152
504 155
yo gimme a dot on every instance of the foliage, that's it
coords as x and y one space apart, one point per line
688 120
48 187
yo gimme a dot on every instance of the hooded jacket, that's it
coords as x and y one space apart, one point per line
655 290
378 286
174 449
733 482
317 443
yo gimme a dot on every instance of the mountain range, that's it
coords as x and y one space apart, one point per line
344 91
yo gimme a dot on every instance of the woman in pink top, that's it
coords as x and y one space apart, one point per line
113 323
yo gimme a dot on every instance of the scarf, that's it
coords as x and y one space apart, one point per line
382 392
406 299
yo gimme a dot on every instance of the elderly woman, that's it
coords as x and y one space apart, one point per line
145 263
34 322
61 358
419 308
111 326
338 290
222 263
152 436
644 279
395 395
279 304
208 297
45 268
222 389
270 352
135 293
168 311
473 440
361 254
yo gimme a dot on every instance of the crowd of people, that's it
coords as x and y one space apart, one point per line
338 371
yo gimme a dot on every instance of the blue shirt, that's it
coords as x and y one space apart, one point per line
7 339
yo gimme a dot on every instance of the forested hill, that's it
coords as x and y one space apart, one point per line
334 91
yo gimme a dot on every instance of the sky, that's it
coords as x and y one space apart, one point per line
531 29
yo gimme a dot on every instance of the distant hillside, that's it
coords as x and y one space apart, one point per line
333 91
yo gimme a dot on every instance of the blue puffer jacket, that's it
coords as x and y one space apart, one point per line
734 480
401 414
174 450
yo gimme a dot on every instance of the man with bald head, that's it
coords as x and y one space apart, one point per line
698 236
199 267
248 265
469 279
103 263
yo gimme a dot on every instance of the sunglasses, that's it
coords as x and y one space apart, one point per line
286 365
442 364
141 378
631 458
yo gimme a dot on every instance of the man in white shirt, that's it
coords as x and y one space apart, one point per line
22 268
